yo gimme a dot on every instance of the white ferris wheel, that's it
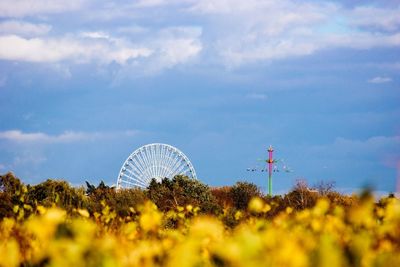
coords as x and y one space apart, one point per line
153 161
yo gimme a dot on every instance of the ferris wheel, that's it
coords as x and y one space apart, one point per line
153 161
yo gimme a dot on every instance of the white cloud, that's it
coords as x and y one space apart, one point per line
164 49
17 136
381 18
176 51
16 48
236 32
149 3
255 30
132 29
22 8
380 79
21 137
23 28
96 35
171 46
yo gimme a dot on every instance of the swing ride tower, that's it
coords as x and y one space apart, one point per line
270 164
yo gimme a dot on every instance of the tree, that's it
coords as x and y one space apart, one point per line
301 196
57 192
12 192
242 192
181 191
223 196
10 184
324 188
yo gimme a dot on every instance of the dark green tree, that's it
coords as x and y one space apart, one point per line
12 193
181 191
242 192
57 192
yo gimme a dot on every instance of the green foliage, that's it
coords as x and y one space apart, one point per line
181 191
10 184
180 196
242 192
121 201
12 196
57 192
223 196
125 199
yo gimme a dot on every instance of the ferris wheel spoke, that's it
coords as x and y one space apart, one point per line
132 180
133 175
185 170
147 156
177 165
138 164
165 171
141 170
176 160
178 168
161 159
144 161
189 165
135 184
161 162
169 160
134 168
157 161
154 161
141 161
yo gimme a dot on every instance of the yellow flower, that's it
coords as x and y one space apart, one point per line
9 252
150 219
238 215
83 213
256 205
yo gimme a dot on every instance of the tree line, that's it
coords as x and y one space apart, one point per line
169 194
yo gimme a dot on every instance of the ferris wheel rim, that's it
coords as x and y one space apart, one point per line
144 163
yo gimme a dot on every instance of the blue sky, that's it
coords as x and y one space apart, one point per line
84 83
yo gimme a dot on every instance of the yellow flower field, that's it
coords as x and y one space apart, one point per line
365 234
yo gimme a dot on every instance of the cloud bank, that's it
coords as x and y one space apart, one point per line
227 33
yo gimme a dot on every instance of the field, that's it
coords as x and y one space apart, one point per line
364 232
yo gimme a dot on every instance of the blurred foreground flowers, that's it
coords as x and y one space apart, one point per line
363 234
